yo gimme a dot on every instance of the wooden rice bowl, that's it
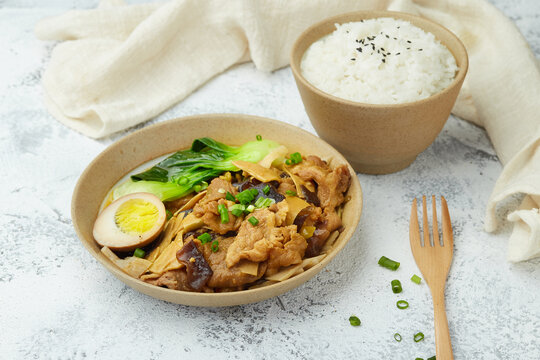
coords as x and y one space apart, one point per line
149 143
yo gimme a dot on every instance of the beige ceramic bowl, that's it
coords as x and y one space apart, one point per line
144 145
378 139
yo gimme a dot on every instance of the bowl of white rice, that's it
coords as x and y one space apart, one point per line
378 85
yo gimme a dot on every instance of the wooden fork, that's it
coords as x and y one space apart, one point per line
434 260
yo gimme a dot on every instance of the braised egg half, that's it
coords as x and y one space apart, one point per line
129 222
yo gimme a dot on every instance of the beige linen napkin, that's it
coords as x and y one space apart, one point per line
119 65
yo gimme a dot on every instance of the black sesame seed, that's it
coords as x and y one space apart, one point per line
383 49
419 49
383 60
398 53
409 41
353 59
359 49
388 37
395 38
408 48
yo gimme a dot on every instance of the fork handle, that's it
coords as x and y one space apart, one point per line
442 335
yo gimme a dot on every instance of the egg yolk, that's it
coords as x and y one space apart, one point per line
136 216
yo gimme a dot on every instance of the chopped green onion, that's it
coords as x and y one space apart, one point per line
266 189
230 196
247 196
197 188
397 337
183 180
418 337
250 208
354 321
204 238
396 286
237 209
402 304
169 214
258 137
389 264
290 193
263 202
139 253
432 358
416 279
223 213
296 158
215 246
253 221
288 162
419 359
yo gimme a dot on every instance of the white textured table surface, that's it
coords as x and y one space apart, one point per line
57 302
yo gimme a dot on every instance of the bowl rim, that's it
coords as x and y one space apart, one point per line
372 14
280 287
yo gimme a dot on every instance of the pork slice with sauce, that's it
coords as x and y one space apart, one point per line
224 277
207 207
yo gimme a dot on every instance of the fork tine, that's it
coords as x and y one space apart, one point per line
435 224
425 222
448 237
414 228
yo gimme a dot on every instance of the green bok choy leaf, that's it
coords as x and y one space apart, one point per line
176 175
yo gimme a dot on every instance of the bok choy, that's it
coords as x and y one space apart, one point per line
177 175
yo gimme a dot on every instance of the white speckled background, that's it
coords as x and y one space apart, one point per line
57 302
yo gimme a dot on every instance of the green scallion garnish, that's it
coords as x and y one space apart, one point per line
204 238
432 358
237 209
402 304
223 213
290 193
416 279
258 137
247 196
388 263
397 337
253 221
354 321
419 359
139 253
215 246
250 209
296 158
266 189
396 286
169 214
419 336
263 202
230 196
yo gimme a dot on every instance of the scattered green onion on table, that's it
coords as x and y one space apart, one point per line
355 321
402 304
388 263
419 336
396 286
